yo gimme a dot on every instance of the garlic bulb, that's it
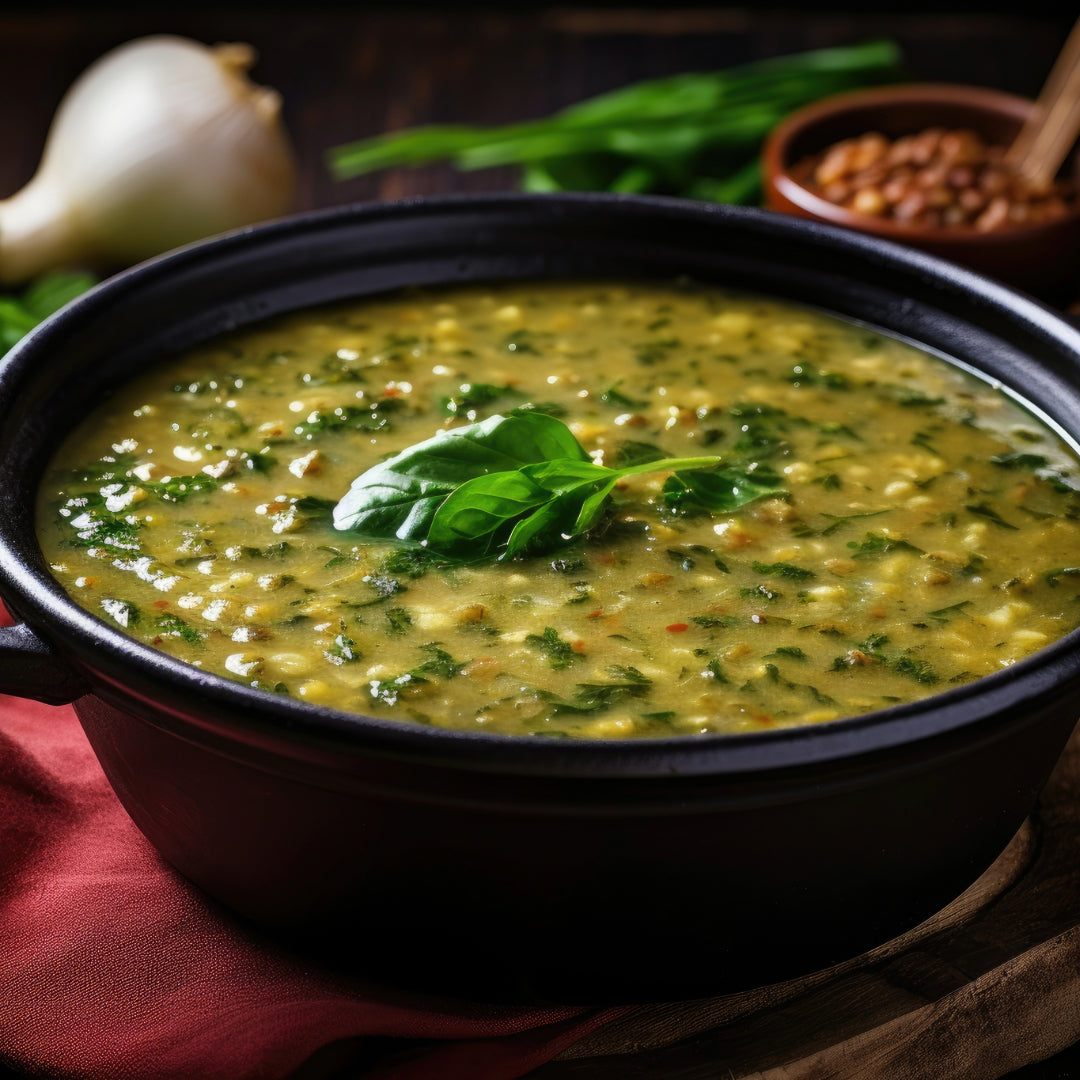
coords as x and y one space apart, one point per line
159 142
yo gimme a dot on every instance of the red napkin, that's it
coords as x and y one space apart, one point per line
114 967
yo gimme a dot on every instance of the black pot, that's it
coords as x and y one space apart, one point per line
519 869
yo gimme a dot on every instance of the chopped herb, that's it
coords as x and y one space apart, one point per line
521 341
1019 459
382 586
471 397
260 461
399 621
804 374
614 397
630 674
567 566
440 664
946 613
560 654
581 593
655 352
837 522
773 675
316 505
785 570
368 417
95 527
832 428
910 398
1051 576
713 670
122 612
342 650
170 625
683 558
792 652
760 592
919 670
177 488
412 562
273 688
874 545
597 697
988 512
337 557
712 622
338 367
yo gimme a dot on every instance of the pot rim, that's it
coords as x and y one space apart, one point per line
135 671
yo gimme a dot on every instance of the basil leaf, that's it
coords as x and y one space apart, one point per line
399 497
483 511
509 509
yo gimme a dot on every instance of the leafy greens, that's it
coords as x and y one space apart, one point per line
512 485
696 134
48 293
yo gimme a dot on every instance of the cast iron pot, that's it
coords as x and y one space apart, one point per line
528 869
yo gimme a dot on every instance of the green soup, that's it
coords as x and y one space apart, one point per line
921 532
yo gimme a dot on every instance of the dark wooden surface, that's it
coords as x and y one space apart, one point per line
347 71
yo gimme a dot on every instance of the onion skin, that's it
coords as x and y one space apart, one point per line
160 142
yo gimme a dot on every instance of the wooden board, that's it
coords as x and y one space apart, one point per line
986 986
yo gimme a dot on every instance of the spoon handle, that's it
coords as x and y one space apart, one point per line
1050 131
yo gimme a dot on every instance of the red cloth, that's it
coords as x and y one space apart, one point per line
113 967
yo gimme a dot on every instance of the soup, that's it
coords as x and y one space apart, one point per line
890 525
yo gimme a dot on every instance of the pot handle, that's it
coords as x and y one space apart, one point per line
30 668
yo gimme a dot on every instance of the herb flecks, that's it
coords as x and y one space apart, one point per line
439 665
560 654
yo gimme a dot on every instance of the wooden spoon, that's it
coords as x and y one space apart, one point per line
1051 130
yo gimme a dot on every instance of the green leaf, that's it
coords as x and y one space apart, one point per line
509 486
874 545
398 498
50 292
560 654
988 512
722 490
784 569
473 396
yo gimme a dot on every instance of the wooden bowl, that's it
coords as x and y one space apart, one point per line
1042 259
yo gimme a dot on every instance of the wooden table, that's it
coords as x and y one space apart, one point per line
347 73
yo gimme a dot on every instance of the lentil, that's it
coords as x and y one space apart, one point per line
938 178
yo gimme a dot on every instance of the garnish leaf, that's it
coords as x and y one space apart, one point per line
513 485
399 497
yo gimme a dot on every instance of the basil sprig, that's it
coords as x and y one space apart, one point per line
511 485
